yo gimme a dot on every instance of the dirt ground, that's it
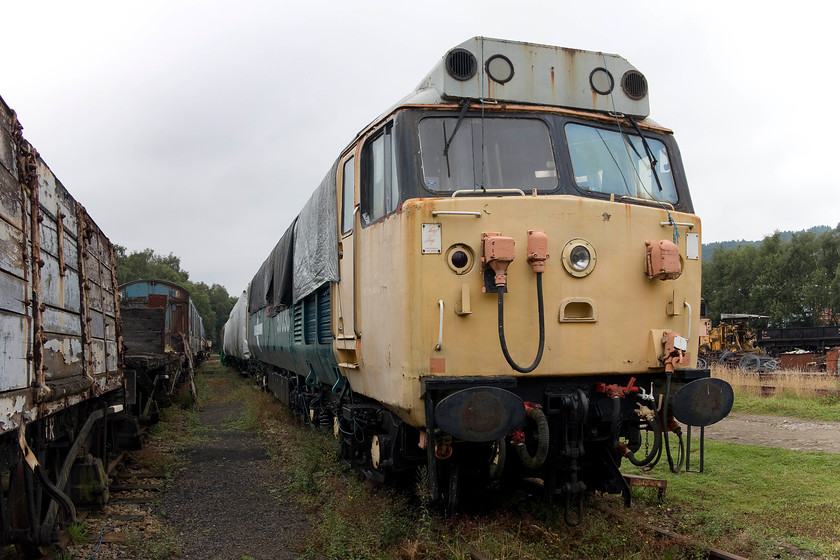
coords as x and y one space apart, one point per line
227 503
777 431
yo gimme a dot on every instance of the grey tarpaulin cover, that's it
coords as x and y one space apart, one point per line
272 284
236 339
316 239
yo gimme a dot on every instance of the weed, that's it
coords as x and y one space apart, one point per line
78 533
160 545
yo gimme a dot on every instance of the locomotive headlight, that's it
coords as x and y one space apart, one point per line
579 257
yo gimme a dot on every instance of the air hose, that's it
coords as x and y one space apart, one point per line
510 361
655 449
536 461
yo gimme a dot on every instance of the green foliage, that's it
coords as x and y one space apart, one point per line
212 302
794 280
78 533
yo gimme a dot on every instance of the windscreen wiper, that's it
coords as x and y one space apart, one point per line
648 151
448 142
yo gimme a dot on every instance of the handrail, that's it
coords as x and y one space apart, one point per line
489 191
646 201
436 213
685 224
357 226
439 346
685 303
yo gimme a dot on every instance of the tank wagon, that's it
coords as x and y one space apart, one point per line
163 336
62 402
496 278
234 336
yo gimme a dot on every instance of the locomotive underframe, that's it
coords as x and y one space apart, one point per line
586 430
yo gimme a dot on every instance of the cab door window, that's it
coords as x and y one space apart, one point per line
380 191
348 185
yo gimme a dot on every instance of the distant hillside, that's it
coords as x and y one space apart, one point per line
709 248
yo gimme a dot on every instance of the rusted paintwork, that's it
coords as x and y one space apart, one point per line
53 357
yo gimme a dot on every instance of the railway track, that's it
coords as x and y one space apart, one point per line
130 511
712 552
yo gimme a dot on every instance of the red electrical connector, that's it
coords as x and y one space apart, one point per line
617 391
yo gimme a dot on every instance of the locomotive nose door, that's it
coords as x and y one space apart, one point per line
345 314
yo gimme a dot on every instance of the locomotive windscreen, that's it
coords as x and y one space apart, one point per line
608 161
494 153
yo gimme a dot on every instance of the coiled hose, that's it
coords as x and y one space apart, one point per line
510 361
655 450
537 460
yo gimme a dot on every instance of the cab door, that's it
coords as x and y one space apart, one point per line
346 328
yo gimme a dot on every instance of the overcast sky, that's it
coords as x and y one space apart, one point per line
201 128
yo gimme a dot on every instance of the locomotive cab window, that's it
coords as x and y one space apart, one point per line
494 153
613 162
347 186
380 190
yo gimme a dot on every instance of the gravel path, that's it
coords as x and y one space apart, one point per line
225 504
777 431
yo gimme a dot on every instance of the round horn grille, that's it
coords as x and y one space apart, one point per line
634 84
461 64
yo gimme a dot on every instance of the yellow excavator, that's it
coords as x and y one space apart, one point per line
733 333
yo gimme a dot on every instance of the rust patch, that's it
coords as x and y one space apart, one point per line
552 82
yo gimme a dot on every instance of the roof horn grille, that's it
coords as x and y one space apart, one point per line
634 84
461 64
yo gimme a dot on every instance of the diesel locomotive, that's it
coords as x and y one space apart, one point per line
498 277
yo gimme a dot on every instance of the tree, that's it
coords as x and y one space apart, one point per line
794 279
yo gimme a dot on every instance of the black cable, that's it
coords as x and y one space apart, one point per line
665 430
510 361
